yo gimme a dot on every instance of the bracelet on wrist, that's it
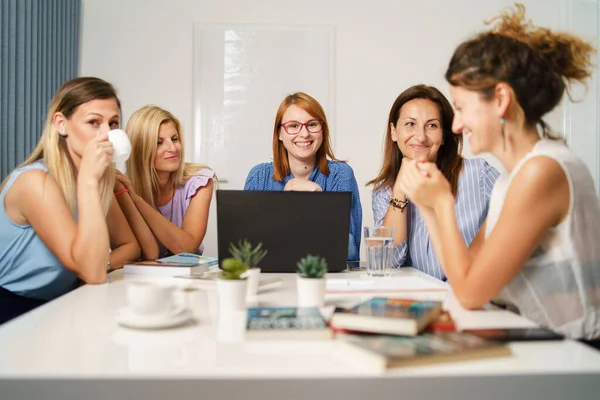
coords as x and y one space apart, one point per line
121 191
398 204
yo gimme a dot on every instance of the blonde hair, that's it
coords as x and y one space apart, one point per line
142 129
52 147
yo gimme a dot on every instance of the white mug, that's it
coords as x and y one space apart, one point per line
122 147
148 298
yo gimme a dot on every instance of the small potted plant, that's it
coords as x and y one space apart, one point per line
311 281
246 254
232 286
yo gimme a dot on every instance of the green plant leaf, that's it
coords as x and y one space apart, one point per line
232 268
246 254
312 266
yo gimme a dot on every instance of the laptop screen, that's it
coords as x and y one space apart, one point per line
290 225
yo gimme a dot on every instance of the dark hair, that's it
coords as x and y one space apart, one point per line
309 104
537 63
449 160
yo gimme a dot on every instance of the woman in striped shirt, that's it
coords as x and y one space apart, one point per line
420 125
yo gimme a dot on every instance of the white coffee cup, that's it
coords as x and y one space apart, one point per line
122 147
149 298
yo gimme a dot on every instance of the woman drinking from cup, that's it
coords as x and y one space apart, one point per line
59 217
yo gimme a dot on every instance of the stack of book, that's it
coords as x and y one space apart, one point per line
388 333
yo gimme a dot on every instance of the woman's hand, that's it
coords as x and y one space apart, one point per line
397 190
424 184
118 185
97 156
300 185
124 181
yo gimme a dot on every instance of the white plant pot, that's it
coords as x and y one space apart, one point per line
311 292
232 294
252 276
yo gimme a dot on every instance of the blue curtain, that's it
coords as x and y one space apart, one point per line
39 49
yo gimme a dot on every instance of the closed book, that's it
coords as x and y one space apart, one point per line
189 258
387 316
182 264
383 352
292 323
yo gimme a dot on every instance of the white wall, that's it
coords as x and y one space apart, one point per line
145 48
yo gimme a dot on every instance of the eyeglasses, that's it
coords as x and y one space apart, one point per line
294 127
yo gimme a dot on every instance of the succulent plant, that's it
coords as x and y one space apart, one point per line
246 254
312 266
232 268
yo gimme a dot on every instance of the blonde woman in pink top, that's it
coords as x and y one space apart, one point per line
165 199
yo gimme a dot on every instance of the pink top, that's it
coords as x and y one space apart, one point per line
175 210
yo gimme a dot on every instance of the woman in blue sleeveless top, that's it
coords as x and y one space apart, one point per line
59 219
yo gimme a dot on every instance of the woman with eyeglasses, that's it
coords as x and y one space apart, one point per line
303 160
420 126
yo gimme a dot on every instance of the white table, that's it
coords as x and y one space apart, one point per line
73 348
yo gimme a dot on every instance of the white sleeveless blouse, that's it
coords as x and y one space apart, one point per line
559 286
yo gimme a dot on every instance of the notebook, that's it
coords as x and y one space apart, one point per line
516 334
289 224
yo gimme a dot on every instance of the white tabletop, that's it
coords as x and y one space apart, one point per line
76 337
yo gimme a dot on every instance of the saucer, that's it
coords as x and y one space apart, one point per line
177 316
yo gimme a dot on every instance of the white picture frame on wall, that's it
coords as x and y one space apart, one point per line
241 74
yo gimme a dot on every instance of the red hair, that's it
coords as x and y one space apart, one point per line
281 164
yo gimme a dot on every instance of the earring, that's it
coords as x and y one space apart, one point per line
503 134
63 134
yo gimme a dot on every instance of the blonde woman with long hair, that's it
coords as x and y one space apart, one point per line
171 197
59 217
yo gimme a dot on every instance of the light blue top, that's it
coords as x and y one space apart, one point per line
340 179
475 184
27 267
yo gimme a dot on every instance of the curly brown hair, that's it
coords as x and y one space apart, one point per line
537 63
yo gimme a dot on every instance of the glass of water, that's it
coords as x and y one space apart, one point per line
379 242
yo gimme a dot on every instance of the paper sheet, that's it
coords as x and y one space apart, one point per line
391 284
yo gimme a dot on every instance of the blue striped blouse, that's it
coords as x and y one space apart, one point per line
475 185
